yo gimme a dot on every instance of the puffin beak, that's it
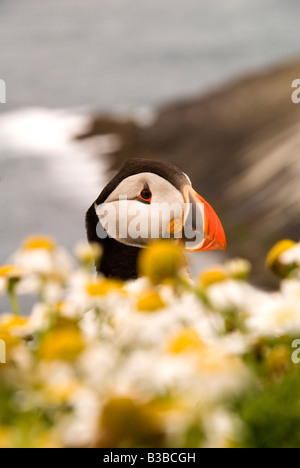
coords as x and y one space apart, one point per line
202 230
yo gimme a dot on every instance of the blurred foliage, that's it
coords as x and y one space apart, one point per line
164 361
272 415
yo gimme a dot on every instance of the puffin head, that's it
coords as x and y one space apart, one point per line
144 201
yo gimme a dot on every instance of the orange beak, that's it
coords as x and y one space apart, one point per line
203 230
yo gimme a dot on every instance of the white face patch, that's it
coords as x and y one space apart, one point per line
131 221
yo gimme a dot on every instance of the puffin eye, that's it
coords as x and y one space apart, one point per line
146 194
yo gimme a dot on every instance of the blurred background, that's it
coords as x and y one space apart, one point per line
205 84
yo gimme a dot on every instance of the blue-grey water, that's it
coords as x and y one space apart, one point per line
116 55
112 53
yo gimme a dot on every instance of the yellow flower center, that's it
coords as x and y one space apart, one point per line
11 330
10 271
184 340
39 242
277 250
62 344
8 321
212 276
101 288
162 260
150 302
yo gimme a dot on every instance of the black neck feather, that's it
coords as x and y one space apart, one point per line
118 261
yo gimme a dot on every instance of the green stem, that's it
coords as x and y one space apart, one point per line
14 303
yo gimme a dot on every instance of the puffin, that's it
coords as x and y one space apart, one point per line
147 200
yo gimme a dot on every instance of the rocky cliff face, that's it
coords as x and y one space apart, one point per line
241 147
